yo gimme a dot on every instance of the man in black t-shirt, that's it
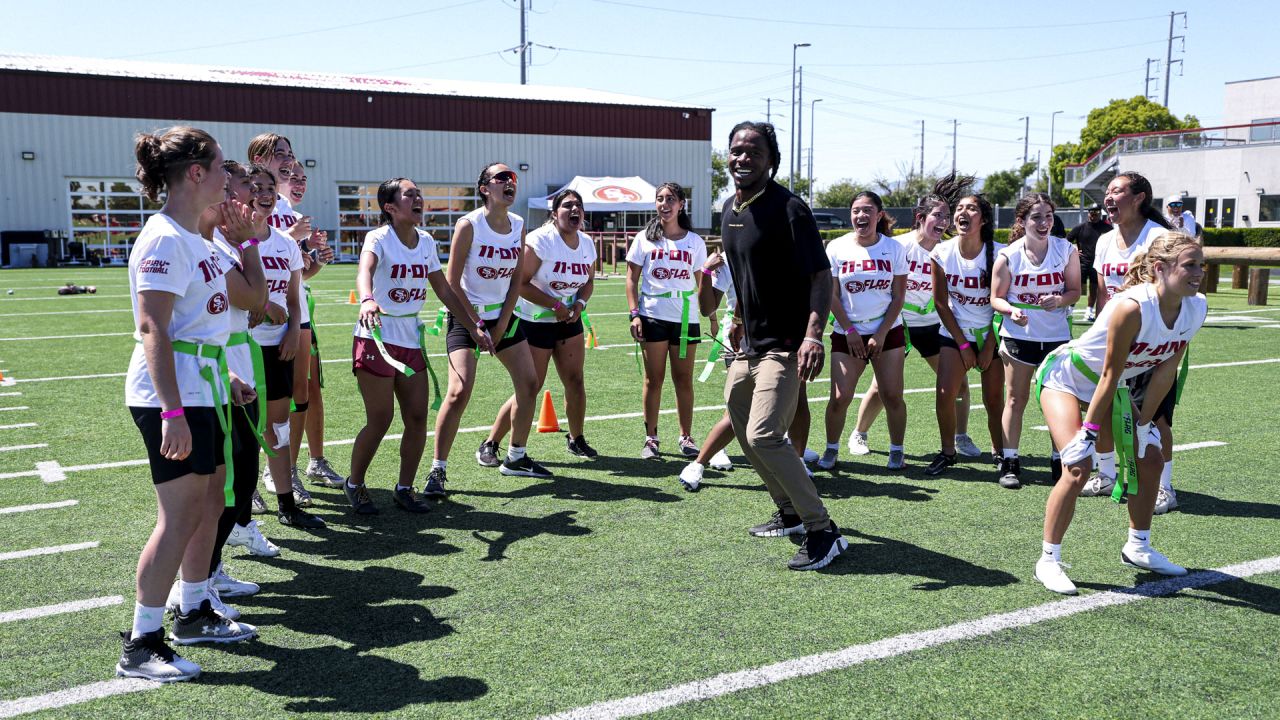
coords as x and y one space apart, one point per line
783 282
1085 236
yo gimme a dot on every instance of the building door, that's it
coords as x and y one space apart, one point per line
1211 213
1228 218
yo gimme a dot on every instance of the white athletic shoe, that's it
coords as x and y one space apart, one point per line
721 461
810 457
1148 558
858 443
691 476
965 446
1166 500
267 481
227 586
1049 573
1098 485
828 459
174 602
251 537
223 609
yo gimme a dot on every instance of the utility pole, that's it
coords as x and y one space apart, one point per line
1026 138
812 144
921 148
1052 118
1150 77
799 121
790 175
524 42
954 124
768 109
1168 53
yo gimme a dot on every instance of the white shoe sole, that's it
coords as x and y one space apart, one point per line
797 530
520 473
215 640
121 672
232 591
859 449
722 467
1171 571
837 547
1061 591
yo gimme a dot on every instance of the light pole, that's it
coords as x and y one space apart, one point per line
812 143
791 175
1052 118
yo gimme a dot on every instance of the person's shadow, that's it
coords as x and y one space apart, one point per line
508 529
886 556
567 487
1193 503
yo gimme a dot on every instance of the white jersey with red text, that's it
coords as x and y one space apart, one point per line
168 258
399 283
563 271
864 278
281 257
491 263
1112 262
239 357
919 283
1030 282
968 288
667 268
723 281
283 217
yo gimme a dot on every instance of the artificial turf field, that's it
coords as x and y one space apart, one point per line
517 598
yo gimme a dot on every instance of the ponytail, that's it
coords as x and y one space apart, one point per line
163 156
1023 209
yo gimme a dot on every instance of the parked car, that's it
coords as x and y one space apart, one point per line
827 221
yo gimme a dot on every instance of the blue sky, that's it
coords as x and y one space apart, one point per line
879 68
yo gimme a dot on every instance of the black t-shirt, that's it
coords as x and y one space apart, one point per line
1085 236
773 248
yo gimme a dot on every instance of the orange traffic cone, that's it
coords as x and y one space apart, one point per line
547 421
351 299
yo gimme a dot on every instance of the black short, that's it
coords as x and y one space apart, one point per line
545 335
895 338
206 443
946 342
1088 276
458 337
656 330
305 325
924 339
1138 392
279 373
1028 352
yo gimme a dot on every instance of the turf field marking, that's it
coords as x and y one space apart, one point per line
74 696
17 426
50 471
15 407
732 682
10 394
65 337
72 377
40 506
33 446
63 298
51 550
1198 445
61 608
66 312
1220 365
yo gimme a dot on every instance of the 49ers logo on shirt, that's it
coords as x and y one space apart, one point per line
662 273
404 295
217 304
492 273
914 285
561 286
857 286
616 193
1033 298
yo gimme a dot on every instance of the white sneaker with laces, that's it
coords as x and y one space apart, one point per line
858 443
965 446
228 586
1049 573
721 461
691 476
828 459
1098 485
267 481
1166 500
1148 558
251 537
223 609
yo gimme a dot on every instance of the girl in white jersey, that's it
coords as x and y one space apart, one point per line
178 392
558 273
397 263
1145 327
275 153
870 271
663 278
1035 283
483 268
962 295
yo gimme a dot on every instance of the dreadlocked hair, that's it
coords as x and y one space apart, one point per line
1140 184
1165 248
1022 209
653 231
885 225
770 137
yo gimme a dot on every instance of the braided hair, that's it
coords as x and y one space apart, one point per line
770 137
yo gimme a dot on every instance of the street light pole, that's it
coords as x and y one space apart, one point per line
791 175
1052 118
812 144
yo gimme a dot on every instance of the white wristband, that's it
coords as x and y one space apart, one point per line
815 341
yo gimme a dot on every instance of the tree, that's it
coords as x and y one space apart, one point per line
719 174
800 185
1002 187
838 195
906 191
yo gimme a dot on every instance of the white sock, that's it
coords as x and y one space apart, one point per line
193 593
442 464
145 620
1052 551
893 448
514 452
1054 455
1107 464
1140 538
353 487
1166 476
651 437
833 446
1011 452
403 487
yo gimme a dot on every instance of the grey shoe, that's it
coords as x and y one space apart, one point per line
149 658
359 498
409 501
435 484
203 625
897 460
828 459
966 447
487 455
650 449
688 447
258 506
321 473
301 497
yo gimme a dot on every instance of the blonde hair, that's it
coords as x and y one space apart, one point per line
1165 247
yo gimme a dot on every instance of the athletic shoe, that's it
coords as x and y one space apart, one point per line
358 496
691 476
524 467
897 460
1166 500
578 446
320 472
997 460
223 609
650 449
203 625
1055 469
808 471
721 461
1148 558
150 658
965 446
251 537
779 526
940 463
435 483
267 481
1049 573
809 457
257 505
406 499
858 443
1098 485
1010 473
227 586
828 459
1089 315
487 455
299 518
819 549
301 497
688 446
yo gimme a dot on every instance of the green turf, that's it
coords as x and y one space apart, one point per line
517 598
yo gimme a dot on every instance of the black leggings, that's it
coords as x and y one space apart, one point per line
245 463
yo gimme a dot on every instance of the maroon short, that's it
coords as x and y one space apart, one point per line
365 356
895 338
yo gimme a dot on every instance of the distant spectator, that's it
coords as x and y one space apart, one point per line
1182 220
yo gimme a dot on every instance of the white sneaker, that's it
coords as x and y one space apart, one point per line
251 537
227 586
809 457
223 609
1098 485
858 443
174 602
965 446
828 459
267 481
1049 573
721 461
691 476
1166 500
1148 558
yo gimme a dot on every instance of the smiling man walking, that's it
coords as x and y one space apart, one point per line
783 282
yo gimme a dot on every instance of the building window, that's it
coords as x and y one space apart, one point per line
1269 208
358 213
1267 133
106 215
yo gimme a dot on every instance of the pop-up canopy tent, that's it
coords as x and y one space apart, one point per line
606 194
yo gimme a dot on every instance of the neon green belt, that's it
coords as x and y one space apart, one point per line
928 308
683 296
405 370
259 383
220 390
720 342
588 330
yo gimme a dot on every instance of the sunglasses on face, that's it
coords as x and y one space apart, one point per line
1175 205
506 176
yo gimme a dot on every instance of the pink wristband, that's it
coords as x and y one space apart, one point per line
167 414
558 306
1092 426
251 242
965 345
708 273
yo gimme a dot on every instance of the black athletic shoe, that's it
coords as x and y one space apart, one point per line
409 501
940 463
524 467
779 526
578 446
298 517
1055 469
358 496
150 658
435 484
819 549
487 455
1010 473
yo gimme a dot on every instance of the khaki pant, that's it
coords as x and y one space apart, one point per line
761 393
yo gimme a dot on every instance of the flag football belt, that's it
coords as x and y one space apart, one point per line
403 369
720 344
259 383
220 390
315 343
511 329
684 297
588 331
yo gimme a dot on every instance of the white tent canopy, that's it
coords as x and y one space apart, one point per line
606 194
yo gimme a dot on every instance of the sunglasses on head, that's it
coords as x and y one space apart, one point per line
505 176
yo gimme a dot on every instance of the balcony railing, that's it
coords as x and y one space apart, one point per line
1165 140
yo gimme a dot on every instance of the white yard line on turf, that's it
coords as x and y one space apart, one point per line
50 471
74 696
61 608
40 506
62 298
51 550
14 407
17 425
66 312
71 377
65 337
732 682
10 394
33 446
1198 445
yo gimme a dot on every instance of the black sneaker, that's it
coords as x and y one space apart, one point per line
203 625
487 455
940 463
298 517
819 549
150 658
358 496
524 467
1010 473
409 501
578 446
1055 469
435 484
779 526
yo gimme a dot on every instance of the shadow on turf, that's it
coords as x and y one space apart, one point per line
1233 592
1193 503
567 487
885 556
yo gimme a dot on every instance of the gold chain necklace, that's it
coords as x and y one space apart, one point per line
739 208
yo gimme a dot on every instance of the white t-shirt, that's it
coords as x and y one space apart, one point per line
283 217
491 263
919 282
281 257
399 283
1029 283
1188 225
723 281
169 259
1112 263
563 270
667 266
970 294
864 277
239 357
